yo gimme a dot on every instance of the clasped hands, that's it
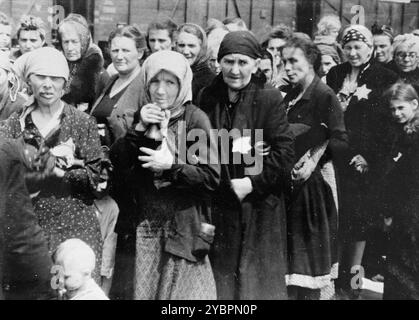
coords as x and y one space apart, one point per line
303 169
359 163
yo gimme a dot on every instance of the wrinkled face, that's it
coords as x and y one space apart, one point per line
71 43
383 48
357 53
265 66
189 45
213 61
296 64
275 47
164 89
403 111
237 70
326 64
125 55
5 37
29 40
406 58
47 90
159 40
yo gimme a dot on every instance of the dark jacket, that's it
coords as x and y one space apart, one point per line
400 200
366 117
24 260
84 80
202 77
249 259
7 106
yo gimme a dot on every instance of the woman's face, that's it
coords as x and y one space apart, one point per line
275 46
159 39
403 111
237 70
265 66
189 45
383 48
71 43
47 90
30 40
164 89
406 58
5 36
296 64
125 55
357 52
326 64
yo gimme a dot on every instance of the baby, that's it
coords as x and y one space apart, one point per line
76 262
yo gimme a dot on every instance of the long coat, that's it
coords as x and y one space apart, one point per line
400 201
24 260
249 259
367 121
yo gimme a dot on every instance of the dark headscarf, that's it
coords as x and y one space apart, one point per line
243 42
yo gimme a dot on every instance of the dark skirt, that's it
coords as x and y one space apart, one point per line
312 234
65 218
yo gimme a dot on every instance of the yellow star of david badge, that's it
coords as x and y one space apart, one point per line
362 92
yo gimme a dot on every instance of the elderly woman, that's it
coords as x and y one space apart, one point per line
167 213
192 43
11 99
84 59
399 198
316 119
406 52
63 198
121 96
359 84
249 260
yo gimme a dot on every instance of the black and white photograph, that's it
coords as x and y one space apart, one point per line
222 151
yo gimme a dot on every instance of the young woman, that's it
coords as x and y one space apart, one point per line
192 43
163 195
400 200
316 119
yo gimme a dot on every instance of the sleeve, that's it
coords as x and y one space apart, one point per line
277 165
88 178
197 167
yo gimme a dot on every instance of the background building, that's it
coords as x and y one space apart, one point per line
303 15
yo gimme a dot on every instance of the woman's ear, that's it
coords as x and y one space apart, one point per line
257 64
141 53
415 104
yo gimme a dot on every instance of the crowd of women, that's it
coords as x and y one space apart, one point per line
145 158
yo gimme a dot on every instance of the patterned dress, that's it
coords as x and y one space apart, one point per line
65 206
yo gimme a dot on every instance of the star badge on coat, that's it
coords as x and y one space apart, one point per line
362 92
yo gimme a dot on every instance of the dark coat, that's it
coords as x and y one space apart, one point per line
188 195
249 259
24 260
202 77
84 80
400 200
7 106
367 120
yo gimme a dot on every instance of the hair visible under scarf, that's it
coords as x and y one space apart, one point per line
198 32
80 25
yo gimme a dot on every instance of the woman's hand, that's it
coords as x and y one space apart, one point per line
359 163
150 113
303 169
242 187
157 160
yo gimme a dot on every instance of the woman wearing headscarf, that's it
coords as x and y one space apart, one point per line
191 41
171 152
85 61
359 84
316 119
249 259
62 197
11 99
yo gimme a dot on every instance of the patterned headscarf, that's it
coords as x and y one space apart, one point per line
357 32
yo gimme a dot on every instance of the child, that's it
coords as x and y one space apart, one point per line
76 261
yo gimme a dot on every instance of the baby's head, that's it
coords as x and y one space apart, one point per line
77 261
